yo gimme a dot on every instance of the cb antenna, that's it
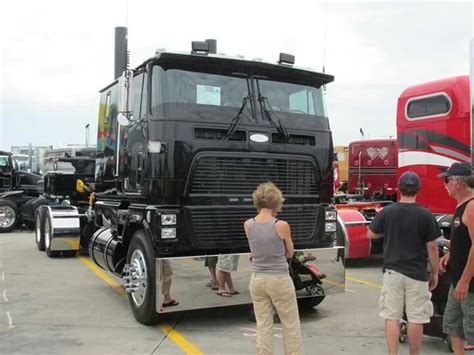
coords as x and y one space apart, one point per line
127 63
324 34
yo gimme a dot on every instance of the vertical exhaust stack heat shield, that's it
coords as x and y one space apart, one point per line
121 60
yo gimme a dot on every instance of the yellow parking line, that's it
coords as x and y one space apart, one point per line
174 335
108 280
329 282
181 341
362 282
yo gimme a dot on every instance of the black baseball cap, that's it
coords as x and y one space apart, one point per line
409 178
457 169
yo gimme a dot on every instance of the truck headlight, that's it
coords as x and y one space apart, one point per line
331 215
168 233
330 227
168 219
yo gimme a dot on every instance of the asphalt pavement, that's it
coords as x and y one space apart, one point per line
64 306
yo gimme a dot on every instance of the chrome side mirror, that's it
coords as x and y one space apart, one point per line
125 104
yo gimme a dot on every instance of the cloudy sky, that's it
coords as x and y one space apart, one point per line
57 55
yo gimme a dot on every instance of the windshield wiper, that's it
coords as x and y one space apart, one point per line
280 126
236 119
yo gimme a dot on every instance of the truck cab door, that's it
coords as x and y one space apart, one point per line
413 155
6 173
132 149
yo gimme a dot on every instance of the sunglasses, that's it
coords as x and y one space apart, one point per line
447 179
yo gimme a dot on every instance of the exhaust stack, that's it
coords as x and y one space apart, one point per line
121 52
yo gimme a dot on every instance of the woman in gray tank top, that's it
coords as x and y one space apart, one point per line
271 287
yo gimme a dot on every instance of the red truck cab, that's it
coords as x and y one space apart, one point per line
434 131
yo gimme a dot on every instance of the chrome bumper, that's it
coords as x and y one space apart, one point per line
190 276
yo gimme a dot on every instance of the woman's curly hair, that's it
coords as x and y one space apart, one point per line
268 195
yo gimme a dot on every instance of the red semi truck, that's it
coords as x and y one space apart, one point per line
373 169
434 131
434 128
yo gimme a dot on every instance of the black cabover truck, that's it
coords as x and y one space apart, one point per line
17 188
183 141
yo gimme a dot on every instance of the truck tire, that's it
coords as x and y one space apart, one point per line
86 234
48 231
143 300
318 296
8 216
28 211
310 302
39 228
30 225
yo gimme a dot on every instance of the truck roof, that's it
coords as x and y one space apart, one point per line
373 141
303 76
435 86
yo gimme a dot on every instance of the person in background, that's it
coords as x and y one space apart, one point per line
166 278
409 234
337 180
225 265
458 318
271 287
210 262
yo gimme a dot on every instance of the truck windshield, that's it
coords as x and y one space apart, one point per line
5 166
292 98
183 93
180 93
23 162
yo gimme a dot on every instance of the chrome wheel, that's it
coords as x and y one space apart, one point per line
47 233
7 216
38 228
315 290
139 276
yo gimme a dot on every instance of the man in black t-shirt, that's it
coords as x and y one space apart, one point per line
409 234
458 318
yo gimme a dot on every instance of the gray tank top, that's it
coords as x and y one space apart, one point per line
267 248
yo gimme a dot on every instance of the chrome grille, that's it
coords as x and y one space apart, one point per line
237 175
224 224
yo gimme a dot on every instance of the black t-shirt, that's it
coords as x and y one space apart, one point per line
406 228
460 246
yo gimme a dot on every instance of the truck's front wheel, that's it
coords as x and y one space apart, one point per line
141 259
8 216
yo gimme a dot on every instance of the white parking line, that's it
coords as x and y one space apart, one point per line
251 332
5 295
10 320
3 276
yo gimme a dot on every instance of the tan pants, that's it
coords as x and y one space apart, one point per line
166 275
276 291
